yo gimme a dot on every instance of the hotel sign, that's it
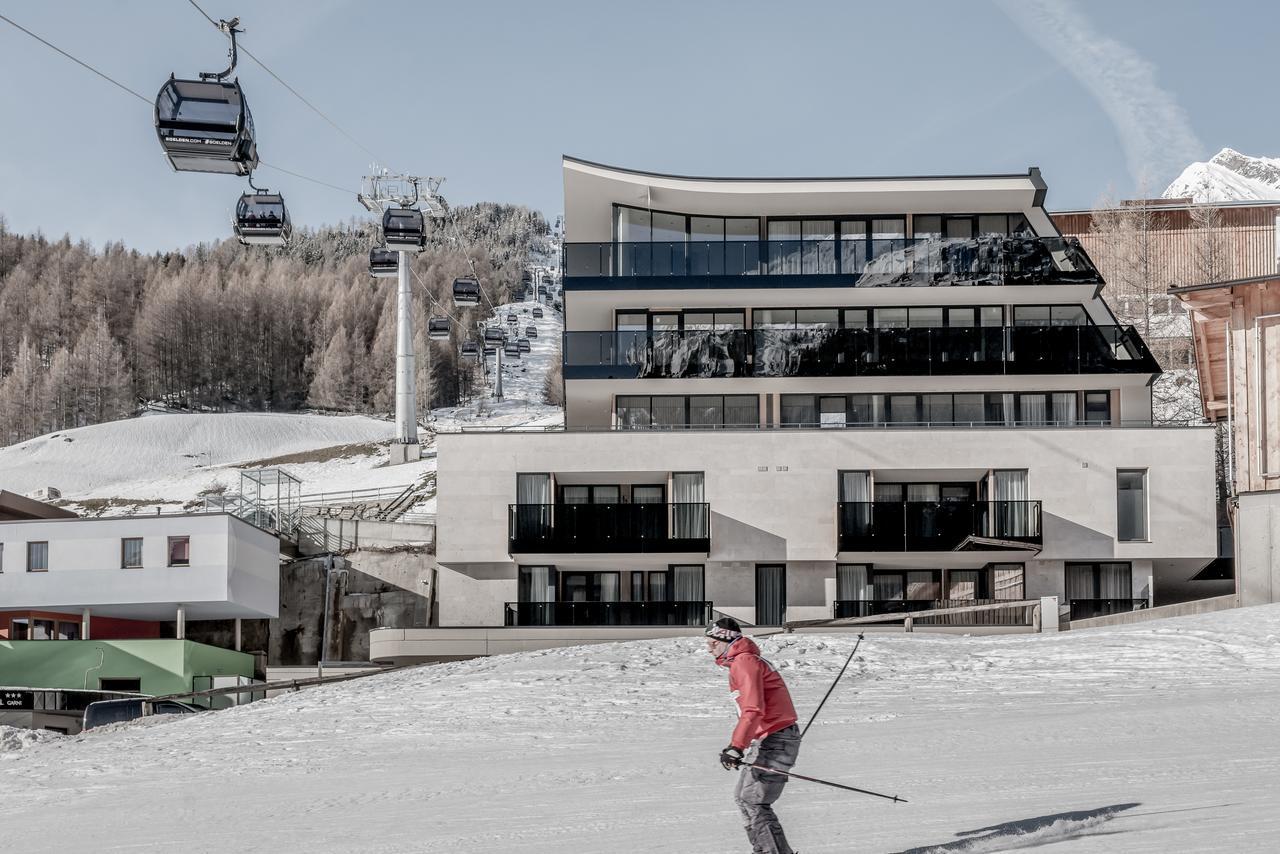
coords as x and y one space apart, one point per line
17 700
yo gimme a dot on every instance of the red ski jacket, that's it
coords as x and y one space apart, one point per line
764 704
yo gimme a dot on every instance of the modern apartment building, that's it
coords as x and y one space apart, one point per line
793 399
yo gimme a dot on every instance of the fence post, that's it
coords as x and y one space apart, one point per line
909 624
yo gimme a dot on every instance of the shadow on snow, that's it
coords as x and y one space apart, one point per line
1030 832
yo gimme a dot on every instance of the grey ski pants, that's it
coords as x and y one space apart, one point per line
757 790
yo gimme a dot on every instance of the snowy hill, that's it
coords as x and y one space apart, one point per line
167 460
1228 176
1157 737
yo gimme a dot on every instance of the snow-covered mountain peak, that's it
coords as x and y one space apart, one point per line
1229 176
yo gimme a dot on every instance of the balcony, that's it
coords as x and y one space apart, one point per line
1084 609
938 526
608 613
858 262
1014 615
609 528
910 351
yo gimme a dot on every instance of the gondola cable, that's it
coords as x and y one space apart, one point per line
150 103
294 92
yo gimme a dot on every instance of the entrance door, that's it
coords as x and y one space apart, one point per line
771 594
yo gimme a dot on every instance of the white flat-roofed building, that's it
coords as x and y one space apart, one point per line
127 574
792 399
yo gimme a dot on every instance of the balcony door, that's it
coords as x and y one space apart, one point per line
652 520
535 595
689 511
771 594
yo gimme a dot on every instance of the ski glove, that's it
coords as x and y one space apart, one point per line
731 758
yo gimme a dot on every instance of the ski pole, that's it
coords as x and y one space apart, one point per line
833 687
894 798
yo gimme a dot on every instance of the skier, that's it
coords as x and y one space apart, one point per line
766 716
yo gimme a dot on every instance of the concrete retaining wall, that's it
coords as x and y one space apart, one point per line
1182 609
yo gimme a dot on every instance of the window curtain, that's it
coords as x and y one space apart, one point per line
771 595
1080 582
690 512
687 583
658 587
668 412
924 492
1012 515
851 582
1064 408
741 410
533 489
536 591
887 587
609 587
1115 581
854 486
1034 411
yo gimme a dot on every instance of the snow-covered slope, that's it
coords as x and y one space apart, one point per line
1228 176
1158 737
169 459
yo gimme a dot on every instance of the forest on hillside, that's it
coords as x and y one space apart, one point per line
88 335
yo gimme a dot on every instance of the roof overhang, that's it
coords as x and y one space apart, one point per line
591 189
14 507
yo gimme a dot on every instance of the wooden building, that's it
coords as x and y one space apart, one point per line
1236 328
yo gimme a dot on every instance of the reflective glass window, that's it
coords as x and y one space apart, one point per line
993 225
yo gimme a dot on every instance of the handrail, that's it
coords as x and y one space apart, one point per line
910 616
282 684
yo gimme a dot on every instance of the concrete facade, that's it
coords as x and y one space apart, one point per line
773 496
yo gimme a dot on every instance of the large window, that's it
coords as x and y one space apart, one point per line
648 412
1050 315
1131 505
37 556
965 409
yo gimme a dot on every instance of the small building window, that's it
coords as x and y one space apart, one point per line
131 552
68 630
1131 505
179 551
38 557
20 629
42 629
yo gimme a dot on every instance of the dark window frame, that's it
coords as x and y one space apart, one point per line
124 552
44 543
169 561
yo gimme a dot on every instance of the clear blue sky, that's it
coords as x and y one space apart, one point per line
490 94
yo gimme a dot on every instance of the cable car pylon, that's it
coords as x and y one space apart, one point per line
392 196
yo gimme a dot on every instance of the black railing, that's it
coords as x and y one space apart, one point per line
608 613
1084 609
608 528
1014 615
869 262
918 351
931 526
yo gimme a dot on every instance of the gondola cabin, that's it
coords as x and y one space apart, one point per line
512 318
205 126
494 335
523 345
490 351
466 291
531 331
262 219
404 230
438 328
384 263
511 350
470 351
537 311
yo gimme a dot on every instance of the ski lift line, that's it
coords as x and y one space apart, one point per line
150 103
343 190
293 91
79 62
457 235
